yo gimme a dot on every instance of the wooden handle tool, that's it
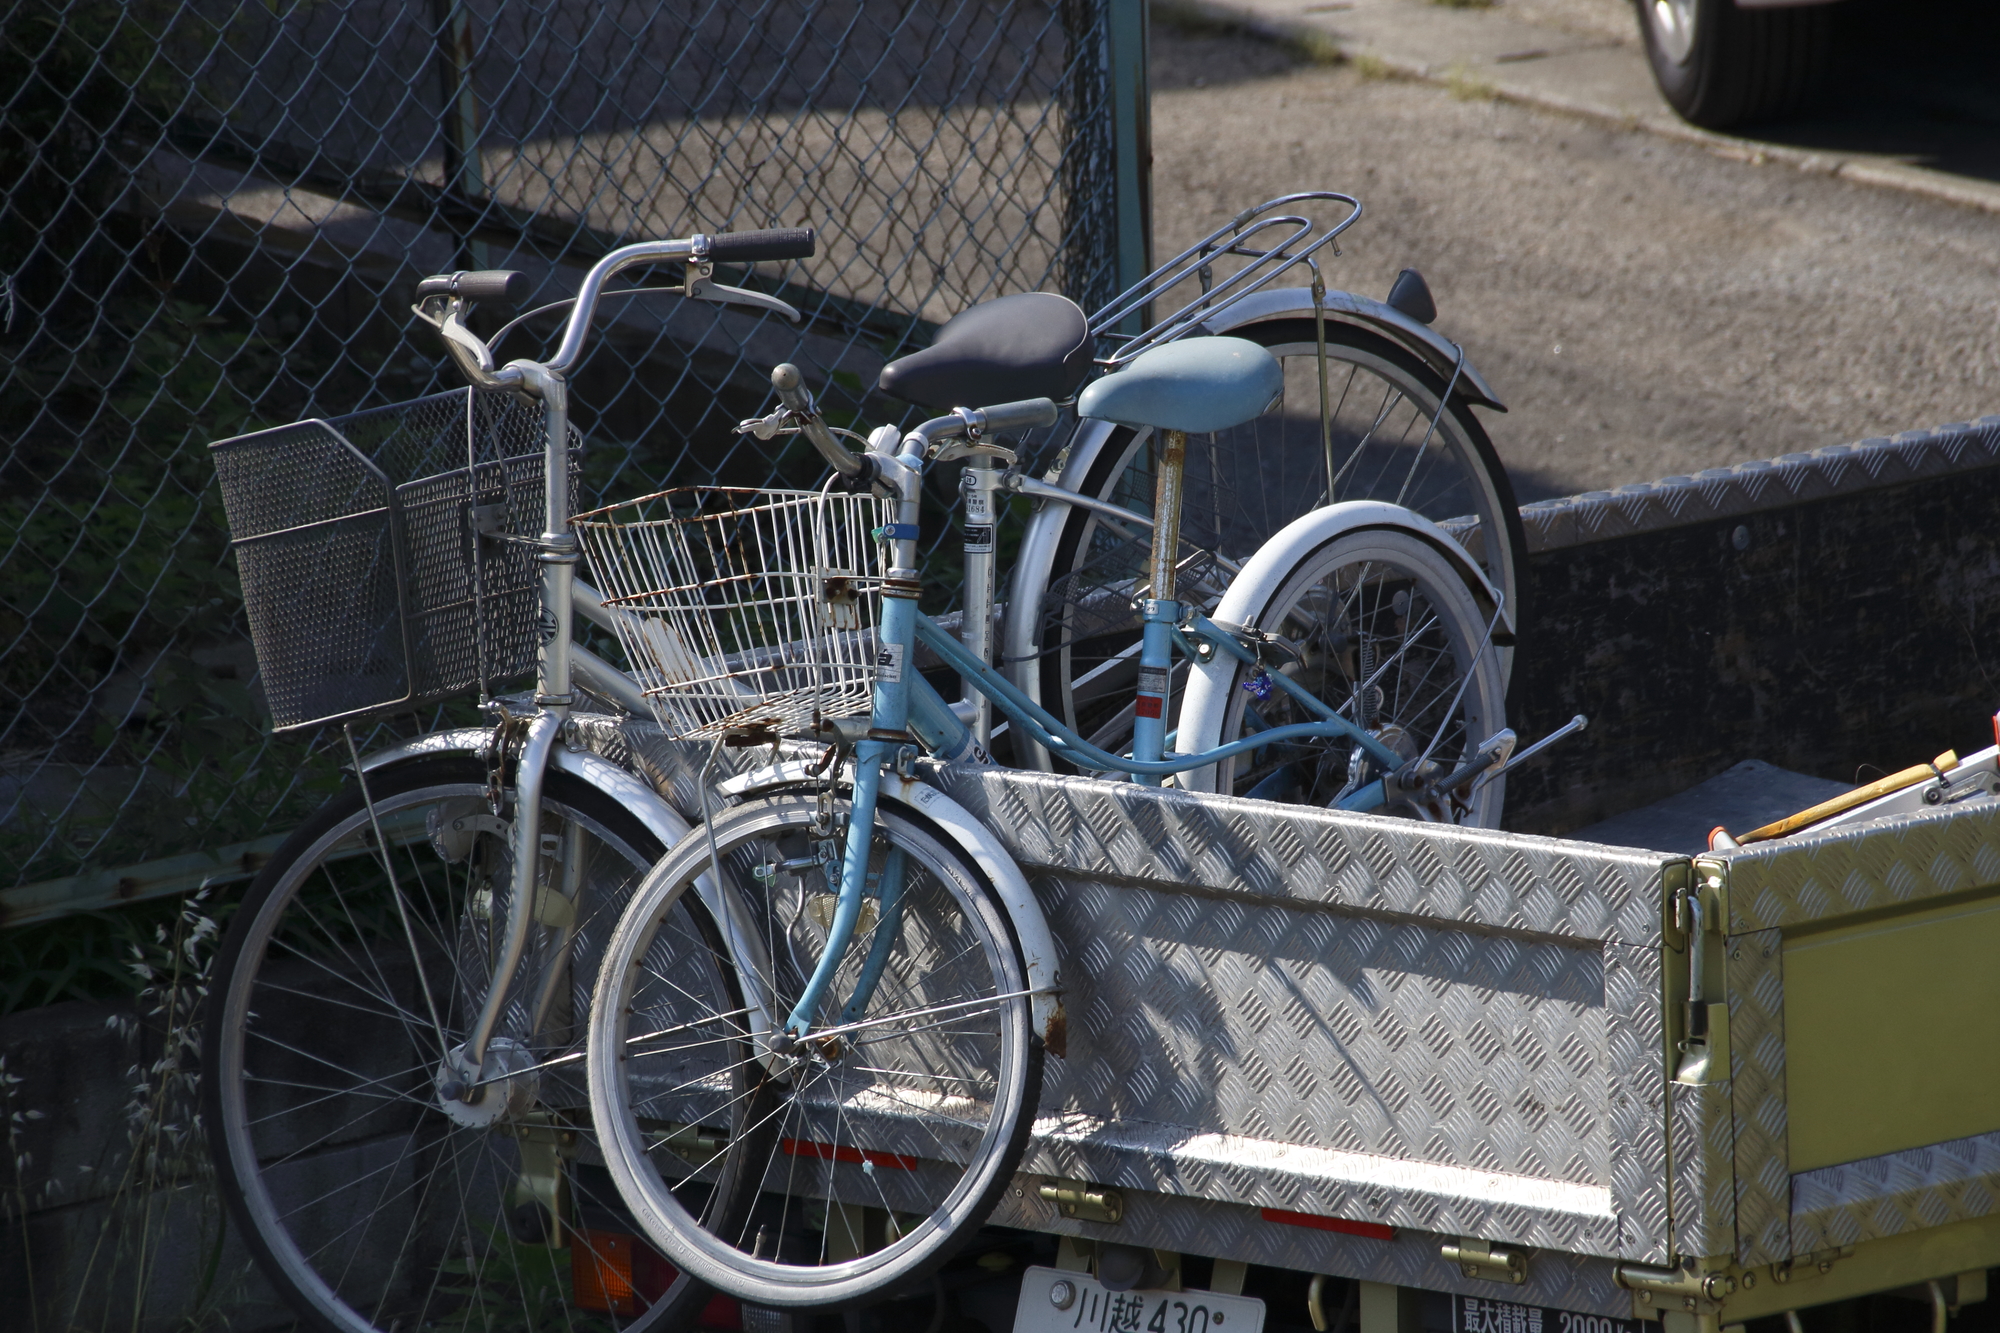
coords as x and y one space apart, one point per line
1909 777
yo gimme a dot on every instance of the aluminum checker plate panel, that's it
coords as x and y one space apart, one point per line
1704 1195
1890 862
1272 1007
1262 852
1422 1027
1756 992
1837 469
1896 1193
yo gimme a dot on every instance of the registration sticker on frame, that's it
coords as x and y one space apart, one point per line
1060 1302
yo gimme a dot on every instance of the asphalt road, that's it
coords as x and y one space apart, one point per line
1645 307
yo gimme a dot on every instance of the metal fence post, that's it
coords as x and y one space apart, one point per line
462 173
1126 35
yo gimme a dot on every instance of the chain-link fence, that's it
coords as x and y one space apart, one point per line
215 213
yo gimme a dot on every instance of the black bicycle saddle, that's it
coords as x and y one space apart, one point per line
1032 345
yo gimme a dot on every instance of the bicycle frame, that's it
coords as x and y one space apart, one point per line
558 552
904 703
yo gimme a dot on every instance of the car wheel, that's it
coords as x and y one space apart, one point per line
1720 66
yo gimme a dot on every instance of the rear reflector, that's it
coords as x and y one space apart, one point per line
1372 1230
827 1152
600 1272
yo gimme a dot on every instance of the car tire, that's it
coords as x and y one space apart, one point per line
1721 66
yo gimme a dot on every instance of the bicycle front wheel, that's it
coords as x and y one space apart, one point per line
1244 484
371 1199
879 1141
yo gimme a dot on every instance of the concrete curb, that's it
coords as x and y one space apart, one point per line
1253 20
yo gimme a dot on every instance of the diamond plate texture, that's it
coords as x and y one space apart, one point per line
1257 851
1901 860
1634 1042
1756 993
1238 1032
1896 1193
1232 1231
1749 487
1704 1202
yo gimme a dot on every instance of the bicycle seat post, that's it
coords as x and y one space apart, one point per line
1158 609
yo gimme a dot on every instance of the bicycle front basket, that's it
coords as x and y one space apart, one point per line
750 611
373 552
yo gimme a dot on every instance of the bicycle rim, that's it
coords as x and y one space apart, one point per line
881 1140
366 1203
1385 632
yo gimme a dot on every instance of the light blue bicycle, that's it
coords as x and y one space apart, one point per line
816 1043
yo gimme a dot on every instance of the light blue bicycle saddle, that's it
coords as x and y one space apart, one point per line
1195 385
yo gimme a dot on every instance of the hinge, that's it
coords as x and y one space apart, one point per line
1485 1260
1084 1202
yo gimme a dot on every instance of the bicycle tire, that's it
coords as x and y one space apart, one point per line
320 1063
1458 476
1374 607
881 1171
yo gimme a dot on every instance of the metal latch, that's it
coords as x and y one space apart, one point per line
1083 1201
1483 1259
1675 1288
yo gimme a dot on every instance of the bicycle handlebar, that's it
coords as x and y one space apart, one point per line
493 284
747 247
505 285
1027 414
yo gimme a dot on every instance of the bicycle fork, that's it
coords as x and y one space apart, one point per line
895 655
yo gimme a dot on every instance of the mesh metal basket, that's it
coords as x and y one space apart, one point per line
752 610
373 552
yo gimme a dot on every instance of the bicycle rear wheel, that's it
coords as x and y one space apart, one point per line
882 1139
1387 632
370 1202
1245 484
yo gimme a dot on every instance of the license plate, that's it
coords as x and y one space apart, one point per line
1059 1302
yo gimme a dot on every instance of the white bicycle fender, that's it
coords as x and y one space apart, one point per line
1207 692
628 789
1031 928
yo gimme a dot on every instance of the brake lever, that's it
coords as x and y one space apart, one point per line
724 295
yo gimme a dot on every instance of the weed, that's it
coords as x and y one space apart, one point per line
1467 86
1371 66
165 1178
1315 47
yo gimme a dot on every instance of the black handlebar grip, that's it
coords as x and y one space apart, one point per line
1024 415
494 284
747 247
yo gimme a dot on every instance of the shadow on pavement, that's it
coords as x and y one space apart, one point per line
1916 84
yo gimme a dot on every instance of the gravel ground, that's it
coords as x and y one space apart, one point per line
1645 307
